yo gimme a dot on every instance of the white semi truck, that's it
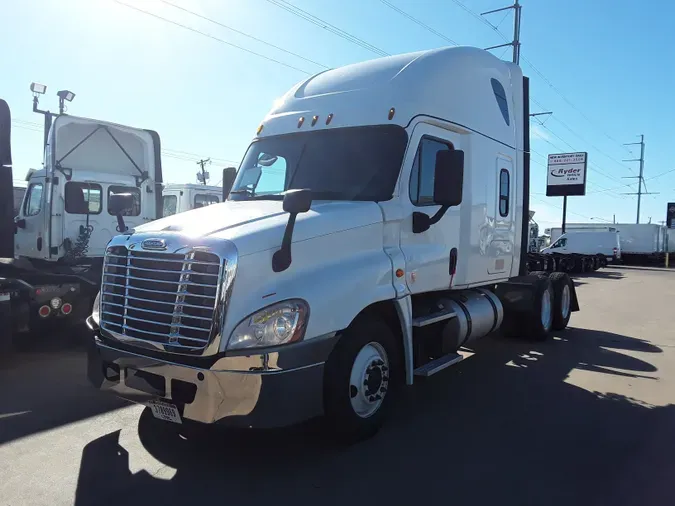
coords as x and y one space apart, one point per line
377 226
66 219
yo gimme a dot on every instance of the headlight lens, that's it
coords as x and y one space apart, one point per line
96 310
280 323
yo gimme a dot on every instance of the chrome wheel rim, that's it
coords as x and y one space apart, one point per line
546 313
565 302
369 379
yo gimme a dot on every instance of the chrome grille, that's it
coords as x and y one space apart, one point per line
164 298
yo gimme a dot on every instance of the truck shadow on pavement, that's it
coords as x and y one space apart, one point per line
501 428
45 385
579 279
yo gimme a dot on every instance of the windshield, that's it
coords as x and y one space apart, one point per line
338 164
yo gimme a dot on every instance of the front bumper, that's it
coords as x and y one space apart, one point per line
271 389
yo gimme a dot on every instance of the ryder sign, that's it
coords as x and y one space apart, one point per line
566 174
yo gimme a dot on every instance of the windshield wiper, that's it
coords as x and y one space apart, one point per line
269 196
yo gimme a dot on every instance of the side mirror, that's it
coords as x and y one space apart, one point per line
295 202
229 174
449 178
448 186
119 204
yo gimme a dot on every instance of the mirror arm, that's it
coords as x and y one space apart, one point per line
121 226
439 214
422 221
281 260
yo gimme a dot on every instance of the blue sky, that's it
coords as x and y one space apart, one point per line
607 76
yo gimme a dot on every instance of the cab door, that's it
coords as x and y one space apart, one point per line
82 218
29 240
428 253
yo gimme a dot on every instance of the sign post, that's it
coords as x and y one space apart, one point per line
566 176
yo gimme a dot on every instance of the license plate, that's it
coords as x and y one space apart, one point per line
165 411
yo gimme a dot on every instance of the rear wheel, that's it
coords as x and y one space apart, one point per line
561 285
359 379
539 319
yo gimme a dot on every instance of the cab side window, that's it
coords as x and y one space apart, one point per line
204 199
33 201
169 205
422 175
135 193
560 243
83 198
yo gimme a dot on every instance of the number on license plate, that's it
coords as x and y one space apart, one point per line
165 411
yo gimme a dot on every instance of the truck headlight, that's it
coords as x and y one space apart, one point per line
280 323
96 310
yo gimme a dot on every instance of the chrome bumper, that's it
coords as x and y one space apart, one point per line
265 390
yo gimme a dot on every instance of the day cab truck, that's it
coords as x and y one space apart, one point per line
181 197
52 258
377 226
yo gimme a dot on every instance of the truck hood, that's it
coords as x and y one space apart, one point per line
259 225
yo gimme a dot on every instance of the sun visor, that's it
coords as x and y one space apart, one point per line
98 146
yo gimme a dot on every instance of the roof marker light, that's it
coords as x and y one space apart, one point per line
392 111
314 120
329 118
260 129
301 121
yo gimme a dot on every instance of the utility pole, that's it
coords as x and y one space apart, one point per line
203 175
640 178
515 43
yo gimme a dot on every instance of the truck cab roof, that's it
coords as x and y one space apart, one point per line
450 83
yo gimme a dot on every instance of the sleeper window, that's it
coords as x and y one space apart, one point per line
504 192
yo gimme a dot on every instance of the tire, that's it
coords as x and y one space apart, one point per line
368 349
539 320
562 300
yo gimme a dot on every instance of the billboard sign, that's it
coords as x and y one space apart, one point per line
670 215
566 174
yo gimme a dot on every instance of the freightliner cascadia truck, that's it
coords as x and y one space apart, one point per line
376 227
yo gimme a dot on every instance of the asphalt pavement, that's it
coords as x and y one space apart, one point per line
585 418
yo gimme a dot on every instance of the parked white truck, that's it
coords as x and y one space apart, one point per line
641 243
344 262
66 218
181 197
587 242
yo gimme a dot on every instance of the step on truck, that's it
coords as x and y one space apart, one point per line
377 226
51 251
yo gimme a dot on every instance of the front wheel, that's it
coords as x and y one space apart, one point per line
360 377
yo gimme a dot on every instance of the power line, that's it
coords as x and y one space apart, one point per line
573 132
558 207
418 22
148 13
297 11
206 18
538 72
